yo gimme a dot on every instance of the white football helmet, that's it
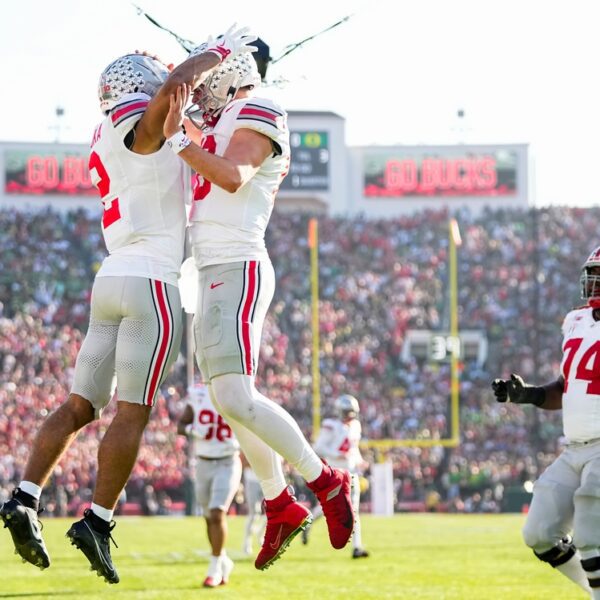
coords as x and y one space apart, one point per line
347 407
590 284
213 94
130 74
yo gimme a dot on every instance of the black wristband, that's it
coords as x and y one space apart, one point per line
535 395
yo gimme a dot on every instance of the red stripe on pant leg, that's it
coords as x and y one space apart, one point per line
251 290
164 342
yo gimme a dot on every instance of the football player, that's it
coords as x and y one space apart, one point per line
135 320
243 157
218 474
562 526
338 443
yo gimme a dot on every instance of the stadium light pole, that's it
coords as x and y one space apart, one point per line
313 244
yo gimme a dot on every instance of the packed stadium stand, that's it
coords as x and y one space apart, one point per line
518 276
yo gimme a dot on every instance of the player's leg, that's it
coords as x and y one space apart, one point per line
586 529
147 345
549 523
254 522
225 483
94 371
228 336
205 474
285 516
357 548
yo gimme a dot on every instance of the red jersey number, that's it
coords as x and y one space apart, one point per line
200 184
583 372
111 210
218 428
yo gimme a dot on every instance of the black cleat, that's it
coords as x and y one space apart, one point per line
359 553
26 531
95 545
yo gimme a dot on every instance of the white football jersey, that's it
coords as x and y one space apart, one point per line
212 437
580 368
338 443
144 218
230 227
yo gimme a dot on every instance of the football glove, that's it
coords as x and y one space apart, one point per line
232 42
517 391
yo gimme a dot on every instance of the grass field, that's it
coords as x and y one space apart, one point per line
462 557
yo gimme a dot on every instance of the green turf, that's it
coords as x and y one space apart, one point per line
444 557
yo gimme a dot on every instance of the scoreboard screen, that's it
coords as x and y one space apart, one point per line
440 172
309 166
35 171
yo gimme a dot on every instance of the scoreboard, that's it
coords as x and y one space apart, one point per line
309 166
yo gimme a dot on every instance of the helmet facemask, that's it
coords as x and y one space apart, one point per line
347 407
221 87
589 283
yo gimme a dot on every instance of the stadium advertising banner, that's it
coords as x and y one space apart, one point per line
47 170
309 166
442 171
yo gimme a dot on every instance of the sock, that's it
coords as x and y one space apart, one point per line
26 499
241 401
31 488
100 518
574 571
356 534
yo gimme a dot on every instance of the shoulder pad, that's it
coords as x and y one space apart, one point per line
572 316
264 116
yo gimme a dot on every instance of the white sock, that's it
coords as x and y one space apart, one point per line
575 572
31 488
240 401
356 534
102 512
264 460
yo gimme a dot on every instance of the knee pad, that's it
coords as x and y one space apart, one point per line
558 554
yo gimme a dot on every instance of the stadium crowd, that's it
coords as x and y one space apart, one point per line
518 276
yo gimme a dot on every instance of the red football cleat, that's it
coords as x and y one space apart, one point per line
332 487
286 518
212 582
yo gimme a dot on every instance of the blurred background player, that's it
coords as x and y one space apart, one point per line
135 320
562 526
243 158
218 474
338 443
255 522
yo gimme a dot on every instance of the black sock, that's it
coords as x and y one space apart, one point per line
26 499
98 523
